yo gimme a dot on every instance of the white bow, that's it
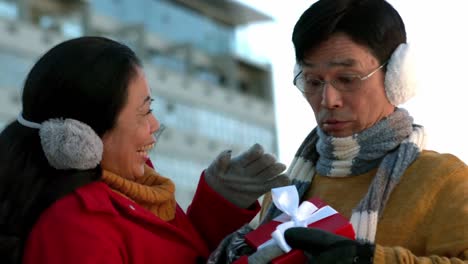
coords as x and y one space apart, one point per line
286 199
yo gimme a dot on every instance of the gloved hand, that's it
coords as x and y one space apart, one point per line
265 255
324 247
243 179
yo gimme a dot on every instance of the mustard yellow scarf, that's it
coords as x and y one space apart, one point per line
151 191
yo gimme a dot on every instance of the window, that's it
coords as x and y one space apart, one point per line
213 125
8 10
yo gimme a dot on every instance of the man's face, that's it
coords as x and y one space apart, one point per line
338 112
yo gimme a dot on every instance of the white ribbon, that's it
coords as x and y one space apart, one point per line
286 199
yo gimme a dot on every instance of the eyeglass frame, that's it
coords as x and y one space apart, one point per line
158 132
331 82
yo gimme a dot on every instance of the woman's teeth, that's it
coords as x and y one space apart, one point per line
143 151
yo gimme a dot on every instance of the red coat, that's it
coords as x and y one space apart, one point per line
96 225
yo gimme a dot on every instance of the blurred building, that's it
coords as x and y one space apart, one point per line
210 93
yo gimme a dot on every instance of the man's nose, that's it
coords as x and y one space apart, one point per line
331 97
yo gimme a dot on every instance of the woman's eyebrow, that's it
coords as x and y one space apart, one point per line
147 99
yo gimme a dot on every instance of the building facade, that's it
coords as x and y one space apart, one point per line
208 96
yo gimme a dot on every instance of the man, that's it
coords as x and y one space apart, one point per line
365 158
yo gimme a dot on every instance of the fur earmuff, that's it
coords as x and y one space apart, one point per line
400 78
70 144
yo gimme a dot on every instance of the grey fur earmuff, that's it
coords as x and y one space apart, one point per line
68 143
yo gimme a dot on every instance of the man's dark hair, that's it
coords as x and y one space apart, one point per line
84 79
372 23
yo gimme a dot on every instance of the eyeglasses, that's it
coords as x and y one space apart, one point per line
344 83
158 133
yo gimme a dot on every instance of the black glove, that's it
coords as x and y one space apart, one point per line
323 247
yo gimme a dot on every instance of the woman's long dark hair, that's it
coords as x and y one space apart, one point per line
85 79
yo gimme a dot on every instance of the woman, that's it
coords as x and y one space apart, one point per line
74 184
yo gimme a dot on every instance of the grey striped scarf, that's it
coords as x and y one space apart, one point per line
391 145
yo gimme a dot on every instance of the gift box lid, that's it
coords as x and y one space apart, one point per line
336 224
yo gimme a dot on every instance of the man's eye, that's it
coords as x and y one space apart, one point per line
312 82
346 79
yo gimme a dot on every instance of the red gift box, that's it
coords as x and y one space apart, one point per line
336 224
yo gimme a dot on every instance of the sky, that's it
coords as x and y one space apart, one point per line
436 31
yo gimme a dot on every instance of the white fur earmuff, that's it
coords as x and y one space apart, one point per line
400 78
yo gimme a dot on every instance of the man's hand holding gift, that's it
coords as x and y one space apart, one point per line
328 232
324 247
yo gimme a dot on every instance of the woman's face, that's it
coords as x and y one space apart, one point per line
126 145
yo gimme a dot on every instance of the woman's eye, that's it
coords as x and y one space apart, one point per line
149 111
